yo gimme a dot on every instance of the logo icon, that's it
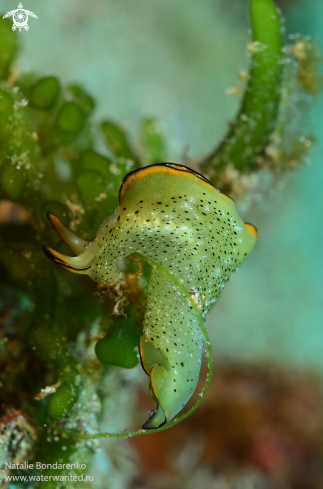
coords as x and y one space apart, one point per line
20 18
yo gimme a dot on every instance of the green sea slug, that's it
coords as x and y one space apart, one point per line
175 217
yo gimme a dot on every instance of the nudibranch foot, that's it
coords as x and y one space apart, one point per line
170 348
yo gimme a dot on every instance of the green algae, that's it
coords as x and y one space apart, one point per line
250 131
9 48
117 140
119 346
44 92
62 401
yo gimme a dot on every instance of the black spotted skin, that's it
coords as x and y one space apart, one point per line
175 217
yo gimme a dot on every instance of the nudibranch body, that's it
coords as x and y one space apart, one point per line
174 216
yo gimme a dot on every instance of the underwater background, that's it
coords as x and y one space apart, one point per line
175 60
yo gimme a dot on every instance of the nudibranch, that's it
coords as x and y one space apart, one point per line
175 217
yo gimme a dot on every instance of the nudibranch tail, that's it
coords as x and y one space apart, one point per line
176 219
170 348
74 242
158 417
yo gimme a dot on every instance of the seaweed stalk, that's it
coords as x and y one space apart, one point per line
256 118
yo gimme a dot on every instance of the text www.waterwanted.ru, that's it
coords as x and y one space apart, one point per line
48 478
